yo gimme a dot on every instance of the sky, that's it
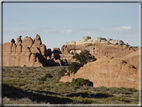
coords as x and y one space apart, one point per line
58 23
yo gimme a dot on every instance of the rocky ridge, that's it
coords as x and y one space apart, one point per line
29 52
87 39
98 47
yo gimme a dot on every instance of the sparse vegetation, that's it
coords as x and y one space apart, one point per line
83 58
74 67
81 81
41 85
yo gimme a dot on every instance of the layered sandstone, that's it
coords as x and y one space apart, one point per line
110 72
29 52
98 47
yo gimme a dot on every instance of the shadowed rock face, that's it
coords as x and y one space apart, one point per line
29 52
110 72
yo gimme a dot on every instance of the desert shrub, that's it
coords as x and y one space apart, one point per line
124 99
45 76
82 100
121 90
74 67
101 88
62 72
81 81
113 89
131 89
40 82
65 84
103 95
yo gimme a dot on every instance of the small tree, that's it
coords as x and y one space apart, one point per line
83 57
74 67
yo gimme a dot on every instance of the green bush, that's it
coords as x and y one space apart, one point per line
82 100
62 72
113 89
81 81
131 89
101 88
124 99
121 90
74 67
45 76
65 84
103 95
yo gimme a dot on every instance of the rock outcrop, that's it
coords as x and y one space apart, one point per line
29 52
110 72
98 47
87 39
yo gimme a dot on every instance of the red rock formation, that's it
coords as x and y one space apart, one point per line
99 49
37 41
19 40
56 51
12 41
109 72
27 42
133 58
65 49
29 53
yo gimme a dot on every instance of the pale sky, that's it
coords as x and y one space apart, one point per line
58 23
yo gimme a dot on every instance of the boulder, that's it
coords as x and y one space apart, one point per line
85 38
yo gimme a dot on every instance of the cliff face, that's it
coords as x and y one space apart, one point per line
109 72
29 52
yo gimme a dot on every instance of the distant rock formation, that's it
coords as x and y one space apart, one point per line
111 72
29 52
98 47
87 39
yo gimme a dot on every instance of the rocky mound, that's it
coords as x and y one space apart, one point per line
109 72
29 52
87 39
